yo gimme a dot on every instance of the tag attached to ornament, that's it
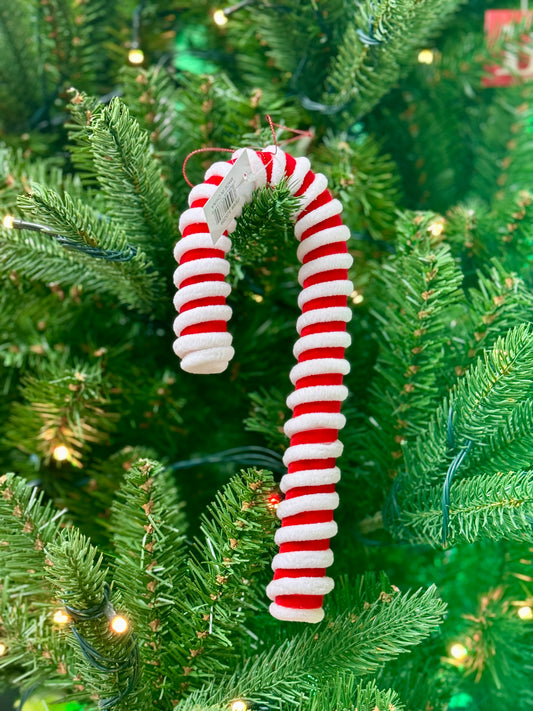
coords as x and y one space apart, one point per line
234 190
513 65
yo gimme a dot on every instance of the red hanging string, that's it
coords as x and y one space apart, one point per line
200 150
299 134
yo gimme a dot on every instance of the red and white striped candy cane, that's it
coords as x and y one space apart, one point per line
204 345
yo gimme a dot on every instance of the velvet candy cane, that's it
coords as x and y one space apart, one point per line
204 346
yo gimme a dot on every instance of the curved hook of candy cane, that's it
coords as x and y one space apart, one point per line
204 346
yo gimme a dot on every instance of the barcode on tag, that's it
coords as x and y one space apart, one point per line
227 200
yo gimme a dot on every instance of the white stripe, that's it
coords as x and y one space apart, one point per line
206 265
310 477
325 315
202 290
317 393
220 168
306 532
315 217
192 216
339 233
334 339
200 240
201 191
308 502
339 287
343 260
302 452
299 586
200 341
208 361
303 559
303 166
318 366
313 421
319 184
279 161
289 614
201 314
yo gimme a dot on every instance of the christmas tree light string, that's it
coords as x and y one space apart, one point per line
119 625
111 255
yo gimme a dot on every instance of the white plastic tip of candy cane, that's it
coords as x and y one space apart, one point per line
208 361
289 614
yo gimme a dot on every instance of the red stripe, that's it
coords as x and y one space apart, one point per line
300 602
200 278
326 327
314 380
306 490
318 436
325 250
309 178
198 303
308 517
204 327
322 199
199 202
292 546
195 228
324 302
321 277
215 180
201 253
267 160
334 221
302 465
313 353
299 573
290 165
320 406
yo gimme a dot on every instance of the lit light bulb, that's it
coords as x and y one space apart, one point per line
525 612
8 222
3 649
239 705
357 297
257 297
273 502
426 56
135 56
61 453
61 617
220 19
119 624
458 650
436 229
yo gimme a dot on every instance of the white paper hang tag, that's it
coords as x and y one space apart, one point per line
225 204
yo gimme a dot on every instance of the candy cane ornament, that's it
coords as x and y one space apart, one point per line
204 346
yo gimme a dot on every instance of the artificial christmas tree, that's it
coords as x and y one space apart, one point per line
138 507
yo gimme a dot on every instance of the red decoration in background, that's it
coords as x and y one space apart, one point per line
512 67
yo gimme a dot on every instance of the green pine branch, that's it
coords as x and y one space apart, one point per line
223 586
376 46
131 181
345 692
417 290
76 571
486 507
131 279
355 641
36 648
61 405
149 566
